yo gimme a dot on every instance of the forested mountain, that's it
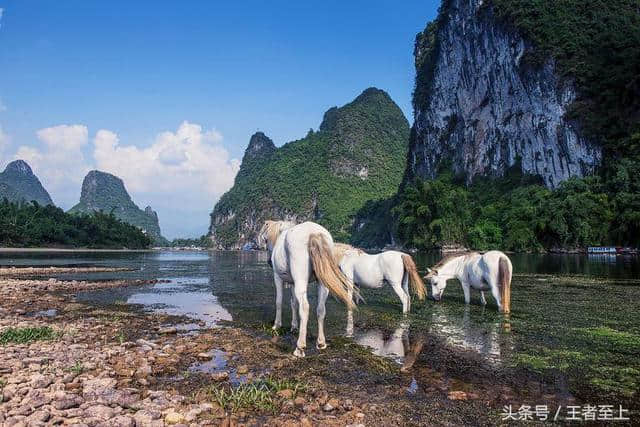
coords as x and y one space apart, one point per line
34 225
358 154
18 183
526 132
104 192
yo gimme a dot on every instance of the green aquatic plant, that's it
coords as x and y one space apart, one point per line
256 396
27 335
276 385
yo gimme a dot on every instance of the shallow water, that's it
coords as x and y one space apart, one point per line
561 317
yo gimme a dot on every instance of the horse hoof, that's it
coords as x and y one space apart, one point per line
298 352
321 346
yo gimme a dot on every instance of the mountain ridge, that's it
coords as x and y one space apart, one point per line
20 184
357 154
102 191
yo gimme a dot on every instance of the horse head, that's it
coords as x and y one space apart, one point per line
270 232
438 283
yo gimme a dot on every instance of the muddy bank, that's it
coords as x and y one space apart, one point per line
116 365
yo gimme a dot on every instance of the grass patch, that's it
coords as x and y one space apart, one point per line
621 342
77 368
256 396
260 395
27 335
617 381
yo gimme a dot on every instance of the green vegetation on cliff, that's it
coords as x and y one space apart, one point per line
103 192
358 154
34 225
596 43
513 213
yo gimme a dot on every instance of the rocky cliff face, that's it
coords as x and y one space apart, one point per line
479 105
102 191
19 184
357 154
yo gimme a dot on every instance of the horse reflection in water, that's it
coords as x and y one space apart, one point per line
482 337
397 346
405 345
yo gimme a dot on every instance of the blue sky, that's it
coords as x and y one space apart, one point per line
157 92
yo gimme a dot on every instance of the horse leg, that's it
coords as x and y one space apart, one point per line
278 322
405 287
483 300
323 293
300 289
467 292
294 312
404 297
349 331
495 291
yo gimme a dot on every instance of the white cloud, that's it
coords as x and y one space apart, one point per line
60 163
1 12
181 174
189 159
2 106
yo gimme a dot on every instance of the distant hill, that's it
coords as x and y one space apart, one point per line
19 184
358 154
104 192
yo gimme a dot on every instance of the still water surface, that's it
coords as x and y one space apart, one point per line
237 286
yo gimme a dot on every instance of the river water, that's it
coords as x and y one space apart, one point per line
561 309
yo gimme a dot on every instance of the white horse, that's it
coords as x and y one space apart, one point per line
371 271
490 271
300 254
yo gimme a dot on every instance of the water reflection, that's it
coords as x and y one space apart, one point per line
393 346
483 337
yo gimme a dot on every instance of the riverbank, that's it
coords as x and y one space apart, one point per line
71 363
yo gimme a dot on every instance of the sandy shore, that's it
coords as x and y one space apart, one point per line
118 366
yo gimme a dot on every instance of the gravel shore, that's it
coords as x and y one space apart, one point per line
120 366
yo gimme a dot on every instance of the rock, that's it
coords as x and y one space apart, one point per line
457 395
285 394
99 411
146 343
220 376
348 405
146 417
360 415
312 407
67 401
331 405
305 422
120 421
507 114
204 356
299 402
242 369
173 418
40 381
143 371
40 416
168 330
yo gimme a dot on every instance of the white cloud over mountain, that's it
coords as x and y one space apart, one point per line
181 174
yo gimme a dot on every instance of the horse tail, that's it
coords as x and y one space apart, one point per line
417 285
504 282
327 271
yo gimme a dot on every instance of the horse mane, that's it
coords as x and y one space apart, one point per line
448 258
340 249
272 229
